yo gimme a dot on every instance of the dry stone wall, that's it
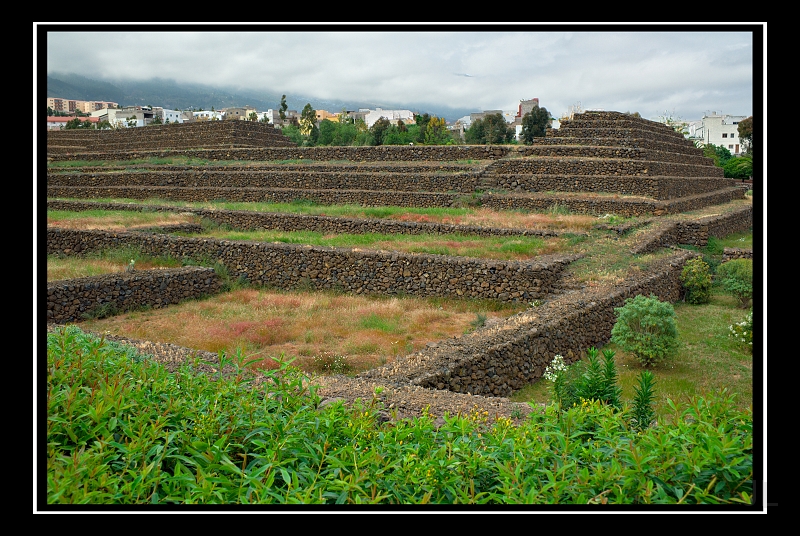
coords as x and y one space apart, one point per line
383 153
599 205
69 300
610 151
498 360
696 232
729 254
351 270
584 166
658 188
250 220
311 179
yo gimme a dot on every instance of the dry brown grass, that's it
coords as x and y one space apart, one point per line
309 326
117 220
482 217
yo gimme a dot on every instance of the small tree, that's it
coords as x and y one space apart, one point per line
378 130
283 108
535 124
308 120
436 132
718 153
745 128
253 116
496 129
647 328
77 123
422 123
292 132
696 279
475 134
492 129
73 124
736 277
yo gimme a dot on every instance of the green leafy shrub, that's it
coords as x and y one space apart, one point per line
736 277
585 380
739 167
743 331
642 413
696 279
646 327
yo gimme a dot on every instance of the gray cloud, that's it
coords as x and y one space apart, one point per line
687 72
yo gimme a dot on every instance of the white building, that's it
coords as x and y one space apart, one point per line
721 130
125 117
171 116
207 115
392 115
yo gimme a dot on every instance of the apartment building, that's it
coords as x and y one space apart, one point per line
239 113
70 105
208 115
169 116
324 114
718 129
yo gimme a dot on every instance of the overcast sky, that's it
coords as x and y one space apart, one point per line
687 73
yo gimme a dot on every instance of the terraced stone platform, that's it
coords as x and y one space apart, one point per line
597 163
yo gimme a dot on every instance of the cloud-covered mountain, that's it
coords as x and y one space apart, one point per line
183 96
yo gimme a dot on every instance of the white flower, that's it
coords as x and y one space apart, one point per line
556 366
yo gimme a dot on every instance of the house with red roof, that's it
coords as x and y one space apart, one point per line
57 123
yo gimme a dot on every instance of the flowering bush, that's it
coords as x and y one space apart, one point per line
743 331
585 380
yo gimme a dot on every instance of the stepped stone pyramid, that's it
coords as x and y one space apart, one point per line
203 134
610 152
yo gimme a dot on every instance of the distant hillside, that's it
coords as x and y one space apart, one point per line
183 96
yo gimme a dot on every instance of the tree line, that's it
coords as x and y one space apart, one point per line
425 130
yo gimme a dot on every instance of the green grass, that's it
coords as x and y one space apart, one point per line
708 359
464 245
380 323
299 207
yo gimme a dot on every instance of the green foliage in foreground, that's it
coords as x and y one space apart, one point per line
121 429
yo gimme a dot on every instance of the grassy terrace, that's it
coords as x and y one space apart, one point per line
361 332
